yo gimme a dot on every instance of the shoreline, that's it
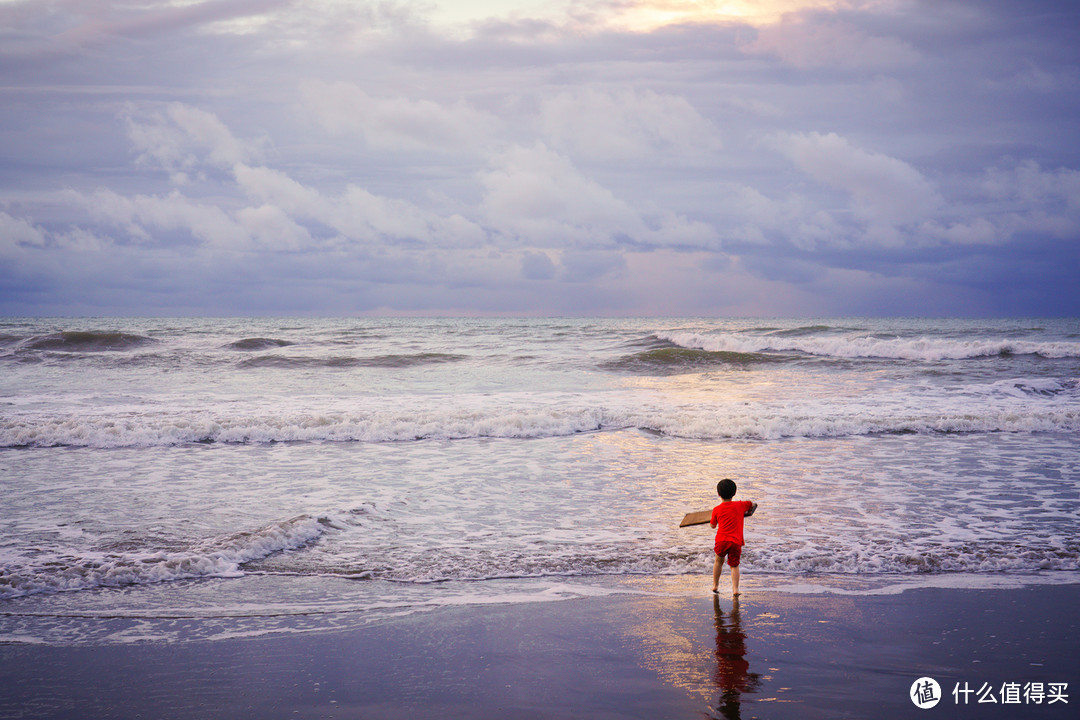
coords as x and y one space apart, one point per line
771 655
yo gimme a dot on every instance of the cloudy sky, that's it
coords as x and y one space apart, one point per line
536 157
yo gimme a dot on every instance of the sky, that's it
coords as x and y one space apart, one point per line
522 157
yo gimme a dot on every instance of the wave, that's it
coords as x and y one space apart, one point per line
218 557
376 361
696 423
849 347
454 563
258 343
983 557
681 359
1037 387
800 331
86 341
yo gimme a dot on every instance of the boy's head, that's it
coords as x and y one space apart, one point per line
726 489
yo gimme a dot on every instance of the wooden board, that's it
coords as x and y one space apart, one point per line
696 518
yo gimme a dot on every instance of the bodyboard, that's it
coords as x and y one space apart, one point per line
696 518
703 516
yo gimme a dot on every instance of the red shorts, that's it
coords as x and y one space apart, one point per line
733 552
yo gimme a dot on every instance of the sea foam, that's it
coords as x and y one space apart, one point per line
695 422
853 346
216 557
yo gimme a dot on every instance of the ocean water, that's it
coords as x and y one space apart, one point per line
165 479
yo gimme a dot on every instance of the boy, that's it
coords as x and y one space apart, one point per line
727 518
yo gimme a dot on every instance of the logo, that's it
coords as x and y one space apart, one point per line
925 693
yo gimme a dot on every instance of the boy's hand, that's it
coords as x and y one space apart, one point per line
751 511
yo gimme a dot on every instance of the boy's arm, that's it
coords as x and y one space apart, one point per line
752 510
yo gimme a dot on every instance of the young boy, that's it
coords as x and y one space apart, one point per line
727 518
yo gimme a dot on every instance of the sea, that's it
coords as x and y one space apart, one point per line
195 479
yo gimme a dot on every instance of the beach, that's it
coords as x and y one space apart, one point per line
640 655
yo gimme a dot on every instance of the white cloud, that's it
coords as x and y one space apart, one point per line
808 45
750 216
182 139
398 122
625 124
1029 183
271 228
17 234
1020 200
885 191
143 216
357 213
188 142
537 196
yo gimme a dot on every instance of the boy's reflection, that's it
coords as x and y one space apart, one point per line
733 676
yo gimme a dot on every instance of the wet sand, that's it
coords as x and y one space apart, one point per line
771 655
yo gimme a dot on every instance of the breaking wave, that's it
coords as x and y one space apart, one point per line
86 341
258 343
800 331
376 361
848 347
682 359
985 557
520 423
217 557
784 557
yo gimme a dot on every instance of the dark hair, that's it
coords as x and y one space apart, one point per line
726 489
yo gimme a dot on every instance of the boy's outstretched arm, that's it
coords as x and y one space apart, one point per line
752 510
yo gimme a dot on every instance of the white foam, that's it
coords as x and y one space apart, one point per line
852 346
217 557
171 428
845 585
1012 406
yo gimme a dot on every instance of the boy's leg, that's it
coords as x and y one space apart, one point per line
717 568
734 558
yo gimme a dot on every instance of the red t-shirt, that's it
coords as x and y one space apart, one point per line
727 518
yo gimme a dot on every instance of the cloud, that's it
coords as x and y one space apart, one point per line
1040 201
356 213
398 123
145 217
586 266
626 124
1029 184
16 234
537 266
749 217
187 141
182 139
723 156
885 191
649 15
831 44
537 196
70 27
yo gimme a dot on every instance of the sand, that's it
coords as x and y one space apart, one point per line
771 655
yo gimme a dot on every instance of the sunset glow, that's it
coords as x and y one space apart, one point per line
650 15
